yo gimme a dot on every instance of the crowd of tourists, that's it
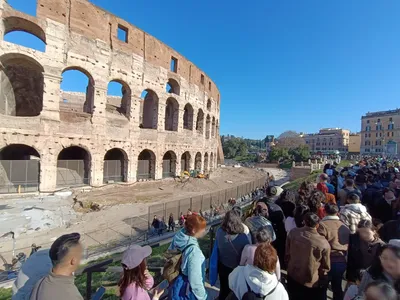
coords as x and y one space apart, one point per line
342 234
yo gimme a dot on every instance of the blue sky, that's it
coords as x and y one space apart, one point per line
280 65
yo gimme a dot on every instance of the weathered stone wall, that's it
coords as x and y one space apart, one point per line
79 35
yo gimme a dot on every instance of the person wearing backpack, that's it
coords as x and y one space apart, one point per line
258 281
349 188
189 283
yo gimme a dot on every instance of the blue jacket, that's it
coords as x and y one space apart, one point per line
193 262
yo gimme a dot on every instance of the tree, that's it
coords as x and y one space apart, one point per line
300 153
277 154
234 147
290 139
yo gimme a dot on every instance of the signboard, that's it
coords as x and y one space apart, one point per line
391 148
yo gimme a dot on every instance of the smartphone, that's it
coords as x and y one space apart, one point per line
99 293
162 286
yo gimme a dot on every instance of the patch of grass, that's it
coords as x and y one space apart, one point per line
295 184
5 294
344 163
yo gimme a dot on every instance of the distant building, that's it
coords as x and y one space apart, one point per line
355 143
328 140
269 142
380 132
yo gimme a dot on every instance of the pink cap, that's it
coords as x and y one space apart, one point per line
134 256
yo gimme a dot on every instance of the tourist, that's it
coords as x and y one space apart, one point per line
247 258
386 267
363 248
351 214
348 189
390 231
315 203
156 224
308 261
246 230
380 290
171 222
181 221
299 214
136 280
258 279
190 282
259 220
65 254
231 240
324 186
337 235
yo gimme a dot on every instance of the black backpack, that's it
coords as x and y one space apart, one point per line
250 295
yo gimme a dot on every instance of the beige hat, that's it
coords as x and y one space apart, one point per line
134 256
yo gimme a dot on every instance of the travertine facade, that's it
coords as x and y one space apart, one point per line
176 127
328 140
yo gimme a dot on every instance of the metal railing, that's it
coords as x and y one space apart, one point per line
72 173
19 176
113 171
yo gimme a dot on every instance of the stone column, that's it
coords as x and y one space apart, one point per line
158 165
1 15
97 170
48 173
180 120
134 113
161 116
132 168
178 166
51 97
99 109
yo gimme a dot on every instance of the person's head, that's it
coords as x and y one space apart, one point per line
261 210
311 220
66 253
155 217
232 224
195 226
324 177
315 201
287 196
389 194
299 215
331 209
265 258
263 235
349 182
238 211
380 290
353 198
390 259
367 230
134 267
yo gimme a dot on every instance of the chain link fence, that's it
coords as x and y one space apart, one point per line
19 176
72 173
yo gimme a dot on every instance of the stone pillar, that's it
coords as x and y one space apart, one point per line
96 170
132 169
161 116
134 113
158 170
48 172
302 164
191 161
51 97
2 2
178 166
180 120
99 109
293 164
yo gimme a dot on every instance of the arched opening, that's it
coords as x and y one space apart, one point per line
171 115
118 98
197 162
77 91
115 166
200 122
169 164
188 117
211 161
217 128
146 165
213 127
21 86
185 162
19 169
173 87
25 33
209 104
206 162
149 110
73 167
208 124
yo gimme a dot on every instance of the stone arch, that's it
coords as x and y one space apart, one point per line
119 103
149 109
146 165
197 162
206 162
213 127
211 161
21 85
169 164
209 104
171 114
19 169
188 117
200 121
115 166
73 166
208 124
173 87
185 161
217 128
77 102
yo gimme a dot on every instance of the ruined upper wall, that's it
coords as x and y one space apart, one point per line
82 17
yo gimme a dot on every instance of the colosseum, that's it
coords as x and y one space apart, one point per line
165 121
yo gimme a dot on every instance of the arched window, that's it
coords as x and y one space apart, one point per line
146 165
208 124
19 169
115 166
169 164
188 117
73 167
217 128
21 79
213 127
77 91
173 87
206 162
185 162
171 115
118 98
149 110
209 104
197 162
200 122
211 161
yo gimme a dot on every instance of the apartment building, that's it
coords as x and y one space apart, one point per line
328 140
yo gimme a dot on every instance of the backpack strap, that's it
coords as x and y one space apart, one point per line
258 295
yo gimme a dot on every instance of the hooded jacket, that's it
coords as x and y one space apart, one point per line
259 281
352 214
193 262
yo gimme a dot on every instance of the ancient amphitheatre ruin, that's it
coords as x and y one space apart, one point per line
166 121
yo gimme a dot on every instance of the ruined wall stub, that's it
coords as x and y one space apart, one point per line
81 36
